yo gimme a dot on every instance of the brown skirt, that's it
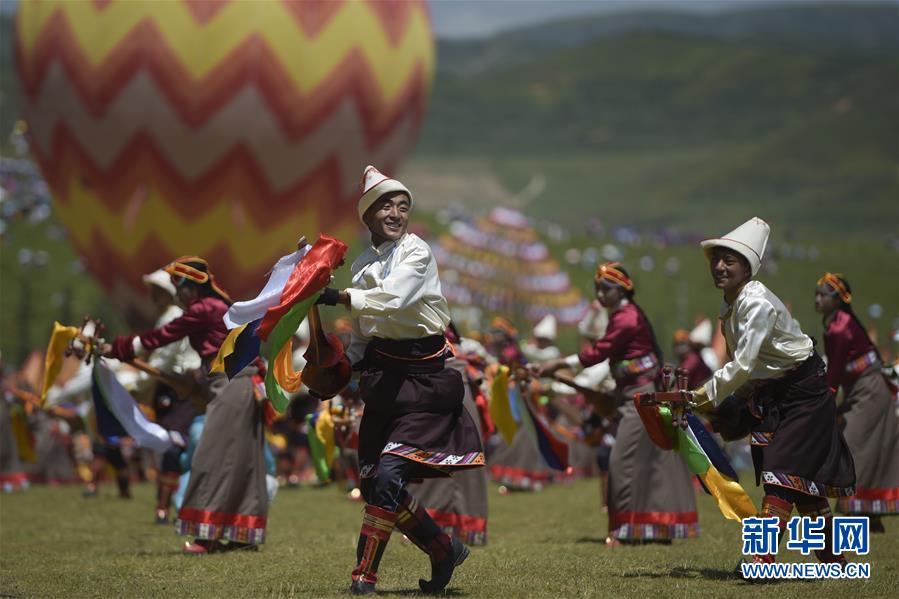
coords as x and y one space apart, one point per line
872 434
798 445
413 409
651 493
226 497
459 504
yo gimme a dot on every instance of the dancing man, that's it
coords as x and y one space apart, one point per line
414 425
779 388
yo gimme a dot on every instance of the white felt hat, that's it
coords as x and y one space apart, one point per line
374 185
161 279
546 328
748 240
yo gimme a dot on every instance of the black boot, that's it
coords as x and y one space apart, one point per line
446 553
377 524
442 571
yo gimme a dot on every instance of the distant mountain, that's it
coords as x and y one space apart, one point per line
661 128
860 28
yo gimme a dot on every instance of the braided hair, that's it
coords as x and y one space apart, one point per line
847 307
629 294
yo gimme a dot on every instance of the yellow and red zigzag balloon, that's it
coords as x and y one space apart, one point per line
216 128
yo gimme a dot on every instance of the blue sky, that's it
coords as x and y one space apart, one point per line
478 18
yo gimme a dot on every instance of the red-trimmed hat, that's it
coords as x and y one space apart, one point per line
196 270
749 240
376 184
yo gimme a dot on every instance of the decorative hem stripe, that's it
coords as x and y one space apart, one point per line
803 485
471 530
14 477
468 537
211 526
648 532
215 532
870 501
876 494
617 519
460 521
438 460
760 439
14 481
521 478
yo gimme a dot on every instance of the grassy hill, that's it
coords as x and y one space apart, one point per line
858 28
655 128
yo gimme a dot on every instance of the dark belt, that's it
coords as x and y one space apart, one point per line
805 369
412 356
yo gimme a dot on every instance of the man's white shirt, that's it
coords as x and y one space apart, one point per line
396 294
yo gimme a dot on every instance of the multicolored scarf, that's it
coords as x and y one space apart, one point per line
836 282
196 270
611 271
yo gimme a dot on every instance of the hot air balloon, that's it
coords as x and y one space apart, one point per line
222 129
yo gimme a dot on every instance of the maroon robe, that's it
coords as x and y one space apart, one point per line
870 428
201 323
650 490
844 340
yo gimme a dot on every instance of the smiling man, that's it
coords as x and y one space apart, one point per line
414 425
777 381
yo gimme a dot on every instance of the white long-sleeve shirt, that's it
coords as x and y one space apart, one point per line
396 294
763 340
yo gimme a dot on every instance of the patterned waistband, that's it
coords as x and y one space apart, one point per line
412 356
861 364
634 367
761 439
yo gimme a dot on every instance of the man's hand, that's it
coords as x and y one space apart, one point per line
701 401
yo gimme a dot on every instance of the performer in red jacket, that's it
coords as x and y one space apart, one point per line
226 498
871 429
651 496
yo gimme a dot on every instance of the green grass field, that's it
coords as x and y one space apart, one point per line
53 543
